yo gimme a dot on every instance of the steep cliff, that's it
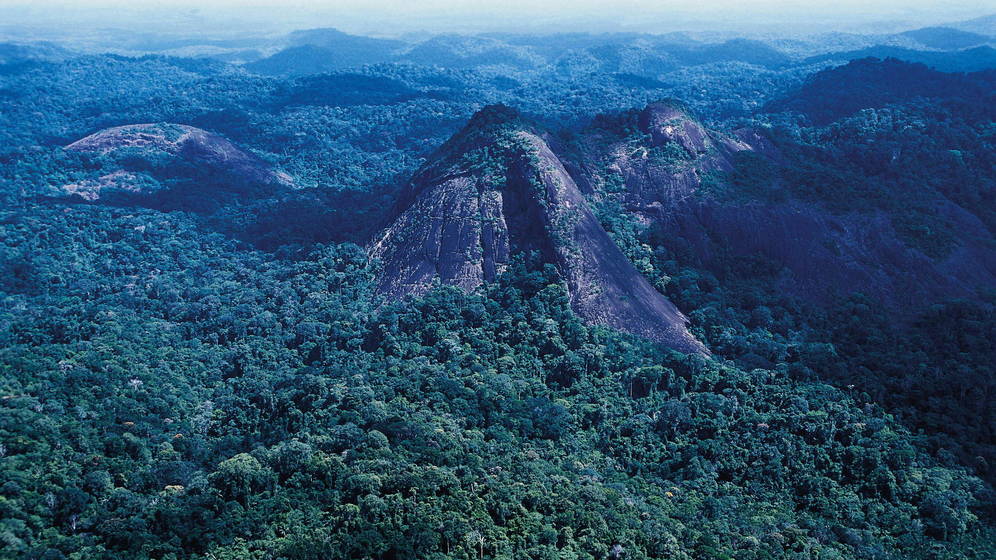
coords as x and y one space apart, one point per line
495 189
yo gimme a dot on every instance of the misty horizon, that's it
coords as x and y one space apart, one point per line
396 19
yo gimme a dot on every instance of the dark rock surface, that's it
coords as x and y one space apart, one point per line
497 189
822 254
669 123
653 182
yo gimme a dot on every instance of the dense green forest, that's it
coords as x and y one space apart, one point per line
209 371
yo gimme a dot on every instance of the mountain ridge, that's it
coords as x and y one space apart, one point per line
497 189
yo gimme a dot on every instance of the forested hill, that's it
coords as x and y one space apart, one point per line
200 355
869 83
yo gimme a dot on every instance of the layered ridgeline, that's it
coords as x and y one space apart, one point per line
821 224
848 214
496 189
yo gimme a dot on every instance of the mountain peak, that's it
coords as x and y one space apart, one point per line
495 114
488 124
496 190
669 121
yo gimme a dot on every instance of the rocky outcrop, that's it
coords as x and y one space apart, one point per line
162 149
669 169
117 183
667 122
820 254
496 189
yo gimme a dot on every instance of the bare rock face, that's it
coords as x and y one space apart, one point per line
119 182
667 122
680 154
149 148
496 189
823 255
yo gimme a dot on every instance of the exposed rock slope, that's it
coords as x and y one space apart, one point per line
170 149
819 254
496 189
678 154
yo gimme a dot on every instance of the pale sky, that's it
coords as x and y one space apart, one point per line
386 17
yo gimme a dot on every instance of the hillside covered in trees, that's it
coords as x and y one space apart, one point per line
330 296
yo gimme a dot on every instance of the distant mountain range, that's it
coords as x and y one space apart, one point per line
957 47
323 50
